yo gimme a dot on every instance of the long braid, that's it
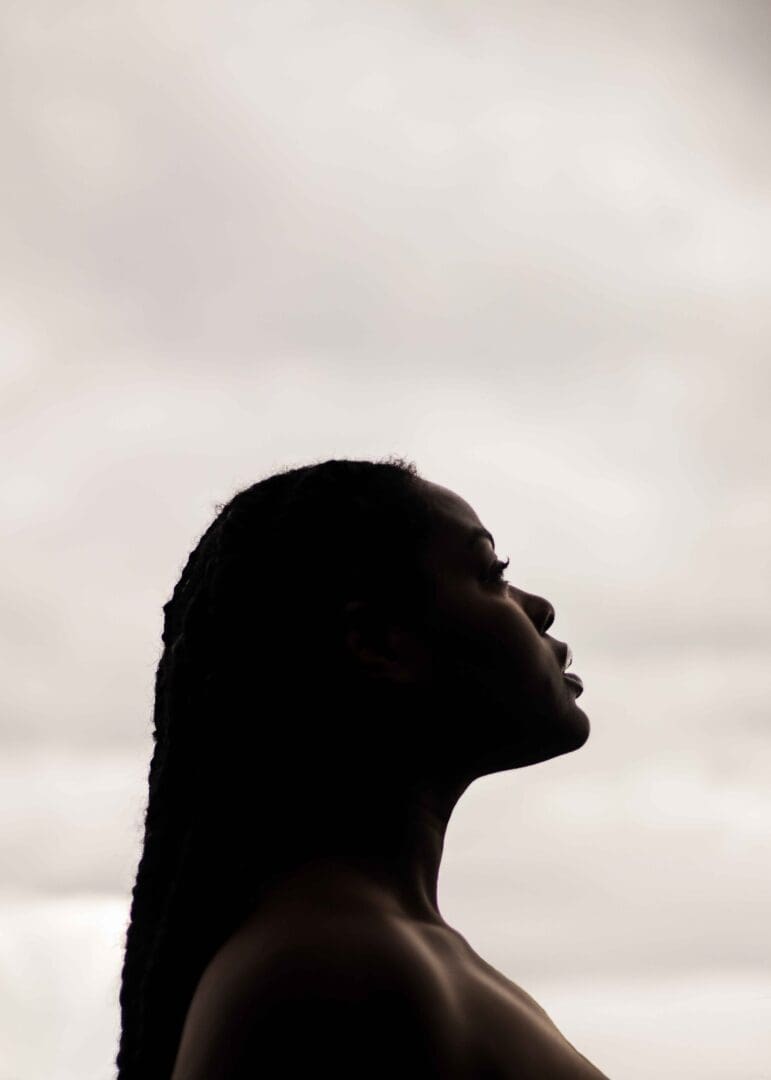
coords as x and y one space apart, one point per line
194 882
163 850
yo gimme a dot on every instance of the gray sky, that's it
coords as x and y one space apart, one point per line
524 245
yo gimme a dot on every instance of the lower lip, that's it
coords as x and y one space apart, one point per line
575 681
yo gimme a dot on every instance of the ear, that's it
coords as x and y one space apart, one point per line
382 650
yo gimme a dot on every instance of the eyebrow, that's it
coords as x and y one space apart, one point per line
476 533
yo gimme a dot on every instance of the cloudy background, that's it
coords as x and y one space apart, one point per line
524 245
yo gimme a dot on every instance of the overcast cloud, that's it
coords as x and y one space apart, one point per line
524 245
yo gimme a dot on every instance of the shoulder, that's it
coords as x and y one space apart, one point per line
359 996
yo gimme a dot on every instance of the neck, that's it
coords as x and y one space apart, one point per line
377 848
362 815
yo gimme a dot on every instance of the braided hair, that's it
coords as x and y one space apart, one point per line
252 654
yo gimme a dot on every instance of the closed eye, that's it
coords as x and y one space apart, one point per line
496 571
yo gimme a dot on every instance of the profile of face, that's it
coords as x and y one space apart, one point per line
492 676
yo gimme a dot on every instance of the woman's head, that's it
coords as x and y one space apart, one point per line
334 620
251 657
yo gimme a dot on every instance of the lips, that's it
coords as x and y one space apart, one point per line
574 680
564 662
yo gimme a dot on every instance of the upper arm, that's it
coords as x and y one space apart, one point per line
375 1010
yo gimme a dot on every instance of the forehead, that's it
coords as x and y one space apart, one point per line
457 521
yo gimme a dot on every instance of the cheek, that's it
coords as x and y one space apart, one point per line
494 633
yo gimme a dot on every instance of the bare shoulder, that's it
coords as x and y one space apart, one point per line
357 995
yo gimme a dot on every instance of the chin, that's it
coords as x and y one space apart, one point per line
574 734
548 730
568 734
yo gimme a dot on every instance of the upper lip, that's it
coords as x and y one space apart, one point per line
567 657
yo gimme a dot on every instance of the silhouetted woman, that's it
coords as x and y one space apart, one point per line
342 658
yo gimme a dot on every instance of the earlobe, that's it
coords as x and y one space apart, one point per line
364 638
381 650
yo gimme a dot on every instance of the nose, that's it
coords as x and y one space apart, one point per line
540 610
547 615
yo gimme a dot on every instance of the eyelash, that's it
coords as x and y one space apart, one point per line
496 574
